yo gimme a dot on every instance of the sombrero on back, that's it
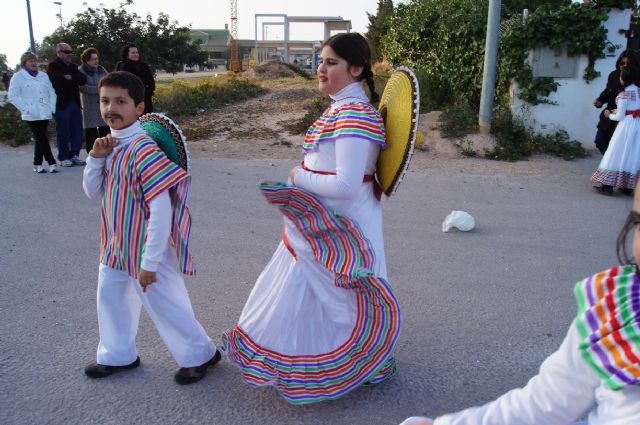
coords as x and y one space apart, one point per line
167 136
399 107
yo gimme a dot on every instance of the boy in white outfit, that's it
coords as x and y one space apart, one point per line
142 223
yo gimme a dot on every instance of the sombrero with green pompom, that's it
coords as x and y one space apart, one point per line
167 136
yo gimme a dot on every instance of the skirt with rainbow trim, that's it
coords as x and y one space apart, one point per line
318 322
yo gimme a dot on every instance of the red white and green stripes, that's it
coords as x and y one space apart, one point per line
366 356
609 325
358 119
138 173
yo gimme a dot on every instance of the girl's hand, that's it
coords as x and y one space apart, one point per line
292 175
146 278
607 113
103 146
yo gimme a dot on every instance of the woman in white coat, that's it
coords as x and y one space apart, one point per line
32 93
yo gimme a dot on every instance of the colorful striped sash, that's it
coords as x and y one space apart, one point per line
609 324
635 113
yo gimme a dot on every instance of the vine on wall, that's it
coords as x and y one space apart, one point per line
444 42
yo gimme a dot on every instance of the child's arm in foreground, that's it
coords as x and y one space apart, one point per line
158 233
562 392
93 176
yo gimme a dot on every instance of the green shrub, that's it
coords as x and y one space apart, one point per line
13 131
516 141
314 107
181 98
458 120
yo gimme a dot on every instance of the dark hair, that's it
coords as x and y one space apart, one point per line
124 52
86 55
125 80
632 55
353 47
628 75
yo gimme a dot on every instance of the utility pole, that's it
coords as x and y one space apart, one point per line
489 72
33 43
59 3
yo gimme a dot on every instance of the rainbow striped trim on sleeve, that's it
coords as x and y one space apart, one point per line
367 356
609 325
358 119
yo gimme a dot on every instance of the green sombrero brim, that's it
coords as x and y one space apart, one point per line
399 107
167 136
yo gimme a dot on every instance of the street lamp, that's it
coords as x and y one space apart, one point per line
59 3
33 43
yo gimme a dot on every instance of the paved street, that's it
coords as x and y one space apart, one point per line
481 309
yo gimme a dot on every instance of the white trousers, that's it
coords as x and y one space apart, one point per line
120 298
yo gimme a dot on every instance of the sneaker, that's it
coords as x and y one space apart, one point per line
53 168
77 161
38 169
190 375
66 163
97 370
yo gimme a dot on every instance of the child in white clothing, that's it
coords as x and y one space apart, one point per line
139 235
596 370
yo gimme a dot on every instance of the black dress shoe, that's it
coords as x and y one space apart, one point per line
190 375
97 370
604 190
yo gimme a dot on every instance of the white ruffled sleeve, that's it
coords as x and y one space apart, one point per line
562 392
351 160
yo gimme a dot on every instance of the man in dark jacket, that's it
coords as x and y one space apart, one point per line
66 80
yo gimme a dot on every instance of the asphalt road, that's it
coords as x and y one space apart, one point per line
481 309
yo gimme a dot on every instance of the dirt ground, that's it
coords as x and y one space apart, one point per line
255 129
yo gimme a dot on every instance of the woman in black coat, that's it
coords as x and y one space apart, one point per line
130 62
606 126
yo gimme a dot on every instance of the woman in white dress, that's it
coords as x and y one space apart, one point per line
322 319
621 162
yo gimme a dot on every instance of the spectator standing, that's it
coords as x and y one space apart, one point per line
5 80
130 62
31 92
606 127
94 125
67 79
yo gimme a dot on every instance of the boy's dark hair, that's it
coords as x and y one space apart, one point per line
124 80
353 48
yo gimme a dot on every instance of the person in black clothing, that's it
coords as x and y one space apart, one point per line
5 80
66 80
130 61
606 127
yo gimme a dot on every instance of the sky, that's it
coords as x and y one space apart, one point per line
204 14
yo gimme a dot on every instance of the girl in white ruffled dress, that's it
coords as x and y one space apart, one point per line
621 162
321 319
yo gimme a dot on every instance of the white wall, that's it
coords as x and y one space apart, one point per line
574 111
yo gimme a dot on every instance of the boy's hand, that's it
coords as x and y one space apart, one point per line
103 146
146 278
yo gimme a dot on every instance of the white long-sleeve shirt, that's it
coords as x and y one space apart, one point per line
351 157
628 100
159 224
564 390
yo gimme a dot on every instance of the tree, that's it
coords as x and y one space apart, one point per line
164 44
3 63
378 27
